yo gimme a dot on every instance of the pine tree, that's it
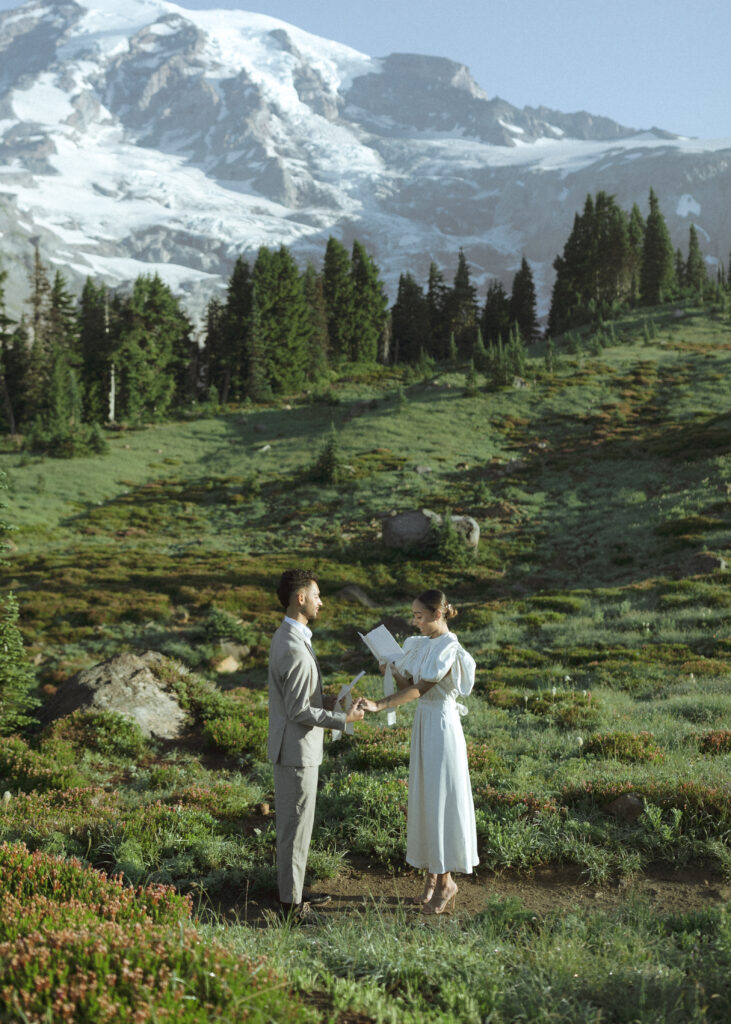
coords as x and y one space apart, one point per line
328 467
479 354
550 355
411 324
40 359
153 350
63 327
370 305
437 300
7 404
471 388
695 268
462 307
522 308
657 276
283 321
339 300
613 277
228 349
96 350
495 320
635 245
314 293
16 363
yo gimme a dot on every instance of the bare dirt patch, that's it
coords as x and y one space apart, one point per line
554 888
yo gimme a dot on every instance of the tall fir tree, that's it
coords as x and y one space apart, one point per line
635 245
411 324
96 350
339 300
495 320
314 293
7 403
437 300
657 275
152 352
283 323
228 349
522 308
462 307
370 305
695 276
40 362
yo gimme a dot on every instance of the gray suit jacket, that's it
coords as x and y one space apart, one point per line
296 715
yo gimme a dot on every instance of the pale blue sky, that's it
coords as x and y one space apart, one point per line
640 62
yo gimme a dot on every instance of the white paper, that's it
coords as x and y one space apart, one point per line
388 689
384 647
344 702
382 644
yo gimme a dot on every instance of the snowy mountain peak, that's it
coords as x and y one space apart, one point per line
143 136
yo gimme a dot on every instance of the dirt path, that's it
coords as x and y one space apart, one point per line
548 889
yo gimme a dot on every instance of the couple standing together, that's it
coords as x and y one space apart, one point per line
433 669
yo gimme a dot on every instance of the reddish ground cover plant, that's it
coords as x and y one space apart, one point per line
717 741
77 946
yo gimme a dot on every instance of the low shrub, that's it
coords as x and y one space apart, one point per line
376 747
717 741
243 735
24 769
632 747
109 733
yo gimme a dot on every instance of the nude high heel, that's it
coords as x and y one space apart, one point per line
443 906
427 894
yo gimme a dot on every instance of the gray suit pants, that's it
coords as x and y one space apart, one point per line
295 791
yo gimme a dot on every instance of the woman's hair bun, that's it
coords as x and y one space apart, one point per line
450 612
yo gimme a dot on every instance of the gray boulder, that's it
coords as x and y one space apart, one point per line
415 527
128 685
357 595
703 562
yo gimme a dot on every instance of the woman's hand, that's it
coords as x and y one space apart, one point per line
367 705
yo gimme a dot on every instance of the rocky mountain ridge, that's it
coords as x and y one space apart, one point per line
156 138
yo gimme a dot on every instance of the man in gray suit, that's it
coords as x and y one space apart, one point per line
298 714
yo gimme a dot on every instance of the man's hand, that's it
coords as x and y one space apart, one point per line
329 701
356 714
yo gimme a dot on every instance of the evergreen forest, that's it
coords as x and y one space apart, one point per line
72 365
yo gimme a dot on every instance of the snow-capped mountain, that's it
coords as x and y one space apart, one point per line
143 137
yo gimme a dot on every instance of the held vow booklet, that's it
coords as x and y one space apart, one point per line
383 646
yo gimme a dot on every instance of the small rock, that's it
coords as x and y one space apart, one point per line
264 810
266 448
352 592
704 561
6 797
423 470
626 807
227 665
232 649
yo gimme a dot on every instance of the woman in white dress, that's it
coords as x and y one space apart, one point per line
435 669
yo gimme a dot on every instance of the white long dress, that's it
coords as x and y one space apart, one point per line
441 834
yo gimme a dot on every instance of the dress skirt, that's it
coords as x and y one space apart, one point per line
441 834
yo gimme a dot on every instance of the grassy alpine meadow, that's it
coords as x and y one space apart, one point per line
137 877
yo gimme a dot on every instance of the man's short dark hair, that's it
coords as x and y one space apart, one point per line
291 581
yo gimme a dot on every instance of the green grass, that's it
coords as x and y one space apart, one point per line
603 666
